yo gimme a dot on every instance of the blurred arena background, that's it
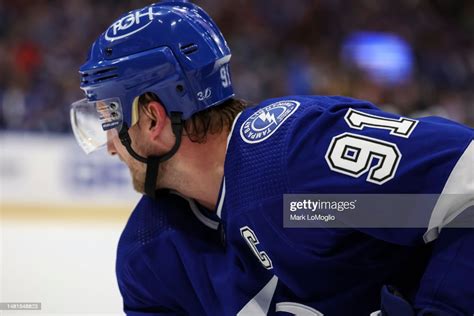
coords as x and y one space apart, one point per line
62 212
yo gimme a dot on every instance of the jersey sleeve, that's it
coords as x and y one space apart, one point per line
143 292
348 146
163 259
447 286
139 270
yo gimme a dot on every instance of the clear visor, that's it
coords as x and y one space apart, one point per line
91 121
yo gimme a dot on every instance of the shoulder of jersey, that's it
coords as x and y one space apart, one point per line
259 123
163 219
149 221
262 121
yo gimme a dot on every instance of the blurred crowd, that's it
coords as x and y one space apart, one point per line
279 47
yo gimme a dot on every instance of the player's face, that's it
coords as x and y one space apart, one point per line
137 169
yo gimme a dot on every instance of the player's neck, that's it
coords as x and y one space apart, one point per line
202 169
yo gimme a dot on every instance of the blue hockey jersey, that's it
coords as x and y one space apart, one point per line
165 257
172 259
315 144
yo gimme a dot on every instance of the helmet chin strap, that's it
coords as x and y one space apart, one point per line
153 162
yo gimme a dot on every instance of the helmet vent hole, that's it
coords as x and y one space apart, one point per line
99 75
179 88
104 78
104 70
188 48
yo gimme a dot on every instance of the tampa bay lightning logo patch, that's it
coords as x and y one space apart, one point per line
263 123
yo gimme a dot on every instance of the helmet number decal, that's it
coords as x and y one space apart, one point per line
225 76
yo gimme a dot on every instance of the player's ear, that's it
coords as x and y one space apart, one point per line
158 118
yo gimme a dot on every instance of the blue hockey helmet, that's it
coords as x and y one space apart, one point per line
172 49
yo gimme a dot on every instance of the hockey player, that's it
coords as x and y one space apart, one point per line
158 82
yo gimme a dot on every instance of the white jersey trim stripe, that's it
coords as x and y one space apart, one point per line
221 199
222 195
457 195
201 217
259 305
197 212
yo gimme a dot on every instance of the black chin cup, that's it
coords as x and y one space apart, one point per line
153 162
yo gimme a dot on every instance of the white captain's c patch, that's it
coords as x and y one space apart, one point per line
263 123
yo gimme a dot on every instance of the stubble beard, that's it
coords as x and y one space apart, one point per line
169 176
138 182
138 174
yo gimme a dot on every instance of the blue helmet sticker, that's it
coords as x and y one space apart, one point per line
263 123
